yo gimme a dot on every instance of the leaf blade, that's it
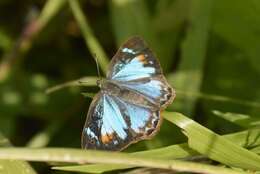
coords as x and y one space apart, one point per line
214 146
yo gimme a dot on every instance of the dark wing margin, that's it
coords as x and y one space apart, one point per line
91 131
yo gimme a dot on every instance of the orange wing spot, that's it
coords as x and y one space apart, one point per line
141 58
107 138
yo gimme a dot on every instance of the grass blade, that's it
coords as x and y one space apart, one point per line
218 98
25 40
239 119
83 156
193 52
92 43
84 81
212 145
248 139
11 166
51 8
126 22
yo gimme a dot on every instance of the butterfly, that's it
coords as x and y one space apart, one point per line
128 107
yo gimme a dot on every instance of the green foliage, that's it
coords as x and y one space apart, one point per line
12 166
209 51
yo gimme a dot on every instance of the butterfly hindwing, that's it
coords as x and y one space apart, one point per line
154 89
104 126
113 123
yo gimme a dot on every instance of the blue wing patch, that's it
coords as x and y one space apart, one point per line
155 89
132 69
142 121
113 121
134 60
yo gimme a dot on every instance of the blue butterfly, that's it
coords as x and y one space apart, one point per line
127 108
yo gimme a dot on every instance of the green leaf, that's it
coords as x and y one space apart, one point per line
219 98
214 146
42 138
248 139
190 70
239 119
88 94
13 166
84 81
6 41
170 152
90 156
238 23
51 8
132 17
92 43
168 21
24 42
127 22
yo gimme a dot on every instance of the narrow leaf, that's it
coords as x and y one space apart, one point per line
84 81
90 156
239 119
249 139
92 43
190 70
214 146
13 166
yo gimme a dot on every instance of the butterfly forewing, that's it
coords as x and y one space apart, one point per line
134 60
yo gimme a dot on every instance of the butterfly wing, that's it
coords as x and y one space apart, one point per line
136 68
113 124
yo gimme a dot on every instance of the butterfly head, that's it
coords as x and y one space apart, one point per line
100 82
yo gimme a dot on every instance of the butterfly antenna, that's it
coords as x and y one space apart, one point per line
98 71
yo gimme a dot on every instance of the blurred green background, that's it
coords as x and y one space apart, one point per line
209 51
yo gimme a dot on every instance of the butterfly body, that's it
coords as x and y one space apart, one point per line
127 108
